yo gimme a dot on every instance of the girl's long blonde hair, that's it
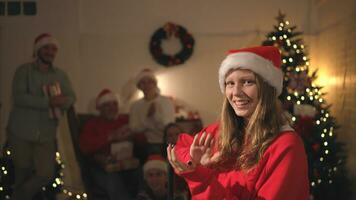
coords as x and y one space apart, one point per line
243 143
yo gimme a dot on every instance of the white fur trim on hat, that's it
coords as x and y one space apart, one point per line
261 66
155 164
145 73
44 41
108 97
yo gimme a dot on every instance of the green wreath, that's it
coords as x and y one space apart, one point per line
167 31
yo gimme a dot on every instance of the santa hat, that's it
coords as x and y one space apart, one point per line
105 96
155 161
263 60
43 40
145 73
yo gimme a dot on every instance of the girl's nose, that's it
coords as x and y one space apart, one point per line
237 90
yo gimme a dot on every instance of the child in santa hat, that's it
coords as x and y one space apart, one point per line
252 153
155 171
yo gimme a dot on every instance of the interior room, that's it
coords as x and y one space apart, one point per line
106 44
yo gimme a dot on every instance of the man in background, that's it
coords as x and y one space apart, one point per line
41 92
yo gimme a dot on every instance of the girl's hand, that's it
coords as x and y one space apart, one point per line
201 150
177 165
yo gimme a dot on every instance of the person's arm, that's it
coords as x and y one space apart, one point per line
20 93
285 176
165 114
120 134
101 158
162 114
200 179
90 141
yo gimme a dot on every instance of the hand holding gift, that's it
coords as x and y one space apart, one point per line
56 99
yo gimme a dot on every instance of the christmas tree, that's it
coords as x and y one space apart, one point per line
310 115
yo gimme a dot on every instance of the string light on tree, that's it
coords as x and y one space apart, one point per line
7 180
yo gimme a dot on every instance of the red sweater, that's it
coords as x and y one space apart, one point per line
94 136
281 174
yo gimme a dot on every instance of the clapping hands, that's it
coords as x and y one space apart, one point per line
151 110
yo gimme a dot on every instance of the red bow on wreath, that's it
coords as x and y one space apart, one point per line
171 29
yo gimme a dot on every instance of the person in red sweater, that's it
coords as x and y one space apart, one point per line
96 140
252 153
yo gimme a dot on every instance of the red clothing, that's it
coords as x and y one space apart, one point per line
94 136
281 174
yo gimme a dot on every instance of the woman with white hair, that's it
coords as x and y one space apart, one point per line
150 114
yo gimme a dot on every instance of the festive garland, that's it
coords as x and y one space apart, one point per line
166 32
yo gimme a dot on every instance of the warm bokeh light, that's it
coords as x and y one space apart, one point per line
325 78
163 83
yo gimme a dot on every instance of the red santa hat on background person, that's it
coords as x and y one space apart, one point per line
155 161
145 73
262 60
105 96
43 40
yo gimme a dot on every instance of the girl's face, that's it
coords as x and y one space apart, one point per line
242 92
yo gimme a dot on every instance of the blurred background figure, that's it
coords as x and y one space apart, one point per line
40 92
150 115
155 180
176 184
106 141
171 133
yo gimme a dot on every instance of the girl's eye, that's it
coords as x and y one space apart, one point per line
229 83
249 82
